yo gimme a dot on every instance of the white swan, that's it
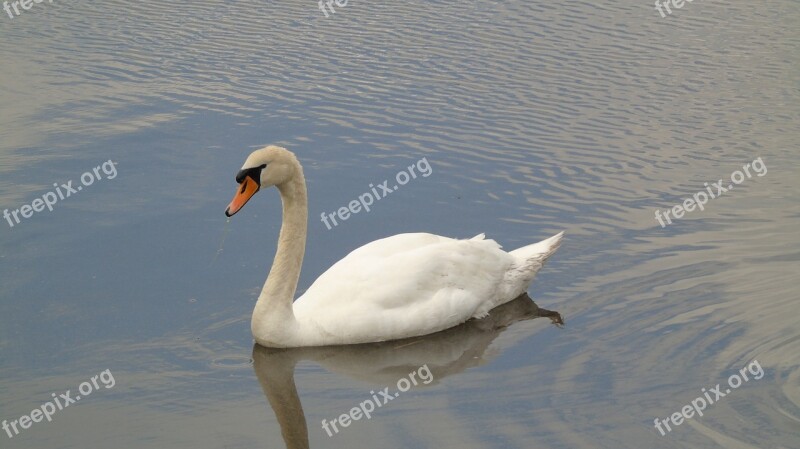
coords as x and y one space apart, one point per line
397 287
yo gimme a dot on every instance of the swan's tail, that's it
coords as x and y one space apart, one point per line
538 252
529 259
527 262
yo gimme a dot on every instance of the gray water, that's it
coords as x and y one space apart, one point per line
535 117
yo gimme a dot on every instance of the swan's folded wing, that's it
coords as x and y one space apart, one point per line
403 286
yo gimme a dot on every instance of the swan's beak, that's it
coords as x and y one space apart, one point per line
247 189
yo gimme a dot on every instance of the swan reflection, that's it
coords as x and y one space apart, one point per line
445 353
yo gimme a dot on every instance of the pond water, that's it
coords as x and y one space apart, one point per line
135 292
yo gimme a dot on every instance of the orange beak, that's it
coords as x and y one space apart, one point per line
247 189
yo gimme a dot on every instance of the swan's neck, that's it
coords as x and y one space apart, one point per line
273 320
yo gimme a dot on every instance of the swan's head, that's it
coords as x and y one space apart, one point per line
270 166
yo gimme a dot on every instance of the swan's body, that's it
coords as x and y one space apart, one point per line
398 287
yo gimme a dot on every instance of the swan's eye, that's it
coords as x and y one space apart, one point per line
253 172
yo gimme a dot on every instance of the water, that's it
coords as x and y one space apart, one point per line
535 117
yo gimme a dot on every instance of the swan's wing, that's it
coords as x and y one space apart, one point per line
402 286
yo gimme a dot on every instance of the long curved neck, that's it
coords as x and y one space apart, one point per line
273 314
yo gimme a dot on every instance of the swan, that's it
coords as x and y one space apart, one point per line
397 287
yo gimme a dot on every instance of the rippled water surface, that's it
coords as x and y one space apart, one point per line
535 117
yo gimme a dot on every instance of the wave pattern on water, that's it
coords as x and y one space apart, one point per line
541 115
